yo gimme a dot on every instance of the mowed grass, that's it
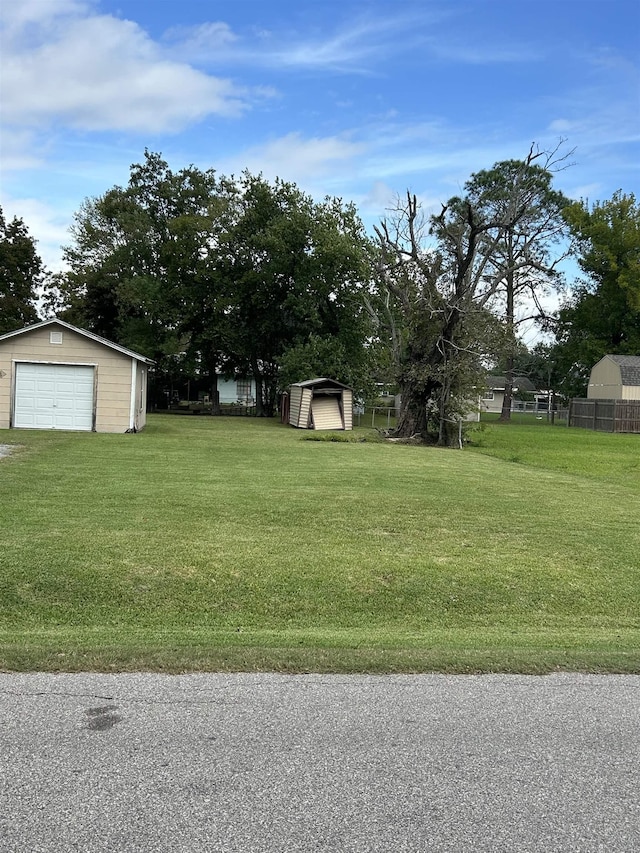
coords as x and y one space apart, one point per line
235 544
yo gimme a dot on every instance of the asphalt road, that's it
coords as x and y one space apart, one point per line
255 763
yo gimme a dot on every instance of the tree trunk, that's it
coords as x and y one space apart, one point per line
413 411
215 394
270 397
259 381
449 435
505 414
447 427
259 395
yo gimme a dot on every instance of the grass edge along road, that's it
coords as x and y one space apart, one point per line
216 544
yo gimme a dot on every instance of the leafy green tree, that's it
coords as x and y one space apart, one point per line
138 267
206 274
524 261
603 315
293 274
21 273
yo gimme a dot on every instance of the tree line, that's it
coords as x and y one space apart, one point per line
215 275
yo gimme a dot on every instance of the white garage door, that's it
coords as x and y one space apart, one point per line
53 396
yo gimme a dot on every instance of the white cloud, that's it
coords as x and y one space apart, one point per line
16 16
48 225
586 191
357 46
98 72
201 42
297 159
361 45
350 46
380 198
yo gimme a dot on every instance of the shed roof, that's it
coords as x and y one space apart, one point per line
314 383
629 368
90 335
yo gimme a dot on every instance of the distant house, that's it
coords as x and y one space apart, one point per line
56 376
241 390
493 396
615 377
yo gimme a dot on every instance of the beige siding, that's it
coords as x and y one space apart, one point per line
305 408
630 392
295 400
347 408
140 413
326 413
605 382
6 385
113 372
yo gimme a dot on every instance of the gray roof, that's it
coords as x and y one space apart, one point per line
313 383
499 383
629 368
84 333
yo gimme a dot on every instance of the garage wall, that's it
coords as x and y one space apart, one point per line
113 369
140 410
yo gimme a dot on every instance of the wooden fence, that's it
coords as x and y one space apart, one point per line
605 415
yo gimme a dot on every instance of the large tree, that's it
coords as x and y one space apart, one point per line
525 261
21 273
210 274
136 259
603 315
439 279
293 272
432 302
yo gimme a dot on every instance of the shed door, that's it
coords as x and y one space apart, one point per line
326 414
53 396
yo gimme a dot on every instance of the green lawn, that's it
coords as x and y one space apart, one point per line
233 543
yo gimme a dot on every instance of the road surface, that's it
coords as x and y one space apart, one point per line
252 763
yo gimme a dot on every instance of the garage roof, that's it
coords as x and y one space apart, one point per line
84 333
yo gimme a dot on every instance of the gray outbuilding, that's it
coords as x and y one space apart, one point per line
56 376
321 404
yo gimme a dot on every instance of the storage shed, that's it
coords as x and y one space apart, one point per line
615 377
56 376
321 404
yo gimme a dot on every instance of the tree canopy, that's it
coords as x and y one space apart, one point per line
236 275
209 274
525 261
21 273
442 282
603 314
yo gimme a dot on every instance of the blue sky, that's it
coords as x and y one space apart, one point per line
362 100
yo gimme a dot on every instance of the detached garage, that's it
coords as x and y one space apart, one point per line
56 376
321 404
